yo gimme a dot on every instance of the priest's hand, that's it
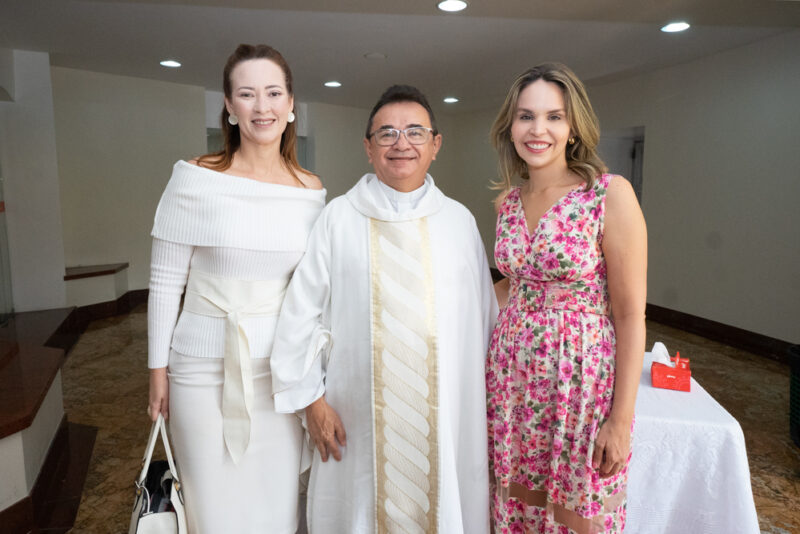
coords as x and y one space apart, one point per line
326 429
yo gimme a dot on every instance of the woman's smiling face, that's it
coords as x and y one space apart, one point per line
540 129
260 100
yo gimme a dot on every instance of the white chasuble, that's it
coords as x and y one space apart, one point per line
388 315
404 377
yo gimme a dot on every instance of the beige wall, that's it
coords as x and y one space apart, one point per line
465 167
721 179
29 170
335 147
721 182
720 176
337 155
118 138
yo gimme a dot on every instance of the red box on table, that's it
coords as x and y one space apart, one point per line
678 378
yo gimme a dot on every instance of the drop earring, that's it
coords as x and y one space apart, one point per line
233 120
290 117
571 140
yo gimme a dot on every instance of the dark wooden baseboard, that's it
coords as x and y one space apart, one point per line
49 471
739 338
71 329
102 310
18 518
90 271
131 299
55 497
8 348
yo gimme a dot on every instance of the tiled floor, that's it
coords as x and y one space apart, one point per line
105 385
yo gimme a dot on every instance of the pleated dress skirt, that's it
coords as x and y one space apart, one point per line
259 495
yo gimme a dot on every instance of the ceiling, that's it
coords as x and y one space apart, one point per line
473 55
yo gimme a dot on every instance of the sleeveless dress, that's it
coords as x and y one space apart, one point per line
550 371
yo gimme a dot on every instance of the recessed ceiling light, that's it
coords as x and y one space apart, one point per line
375 55
452 5
451 100
673 27
333 83
170 63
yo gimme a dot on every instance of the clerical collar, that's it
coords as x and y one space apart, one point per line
403 201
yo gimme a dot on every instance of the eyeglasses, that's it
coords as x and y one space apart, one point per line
416 135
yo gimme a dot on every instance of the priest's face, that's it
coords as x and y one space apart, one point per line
403 164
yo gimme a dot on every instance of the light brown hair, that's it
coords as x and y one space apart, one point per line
582 157
222 160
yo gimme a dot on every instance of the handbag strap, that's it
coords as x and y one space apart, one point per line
159 427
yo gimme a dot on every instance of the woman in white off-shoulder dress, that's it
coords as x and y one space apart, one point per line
229 230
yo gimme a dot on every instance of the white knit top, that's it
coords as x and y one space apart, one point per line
225 226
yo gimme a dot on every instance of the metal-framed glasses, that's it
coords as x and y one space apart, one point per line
416 135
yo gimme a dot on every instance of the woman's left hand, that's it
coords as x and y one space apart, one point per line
611 448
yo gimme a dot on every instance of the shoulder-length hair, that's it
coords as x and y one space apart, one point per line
222 160
582 157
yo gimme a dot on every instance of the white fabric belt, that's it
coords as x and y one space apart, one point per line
234 299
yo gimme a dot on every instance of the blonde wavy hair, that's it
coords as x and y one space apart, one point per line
582 157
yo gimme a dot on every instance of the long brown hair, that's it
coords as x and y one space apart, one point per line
222 160
582 157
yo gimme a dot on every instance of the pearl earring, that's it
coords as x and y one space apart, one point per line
290 117
233 120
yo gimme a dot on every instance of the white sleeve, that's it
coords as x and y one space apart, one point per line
488 296
169 269
302 337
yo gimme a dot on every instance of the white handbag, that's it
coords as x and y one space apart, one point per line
158 508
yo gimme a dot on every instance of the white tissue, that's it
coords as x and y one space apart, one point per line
660 354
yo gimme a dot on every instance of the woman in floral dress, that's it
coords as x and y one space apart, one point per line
566 354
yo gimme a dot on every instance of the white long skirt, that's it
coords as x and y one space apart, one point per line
259 494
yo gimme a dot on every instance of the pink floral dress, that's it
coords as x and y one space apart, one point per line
550 372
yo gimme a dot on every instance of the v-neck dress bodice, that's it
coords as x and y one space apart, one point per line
563 248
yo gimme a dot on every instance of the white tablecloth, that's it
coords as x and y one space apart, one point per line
689 472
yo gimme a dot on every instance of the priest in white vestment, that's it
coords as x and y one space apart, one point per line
382 340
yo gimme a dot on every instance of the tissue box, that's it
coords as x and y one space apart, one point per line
667 377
